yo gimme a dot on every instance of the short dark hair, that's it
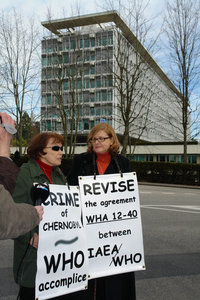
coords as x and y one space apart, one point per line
40 141
114 148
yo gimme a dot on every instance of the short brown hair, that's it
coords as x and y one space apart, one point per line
39 142
114 148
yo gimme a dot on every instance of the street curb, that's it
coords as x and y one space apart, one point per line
170 185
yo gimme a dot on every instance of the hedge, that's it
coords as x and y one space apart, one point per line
160 172
164 172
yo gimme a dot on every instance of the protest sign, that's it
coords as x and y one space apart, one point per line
112 220
62 258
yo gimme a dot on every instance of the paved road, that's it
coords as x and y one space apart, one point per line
171 225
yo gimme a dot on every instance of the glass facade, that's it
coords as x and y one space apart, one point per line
74 69
142 157
176 158
81 69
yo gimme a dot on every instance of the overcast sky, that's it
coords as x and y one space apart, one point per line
63 8
39 7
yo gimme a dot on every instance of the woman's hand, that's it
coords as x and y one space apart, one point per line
40 211
5 136
34 240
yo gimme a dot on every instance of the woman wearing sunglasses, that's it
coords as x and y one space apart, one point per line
102 158
45 152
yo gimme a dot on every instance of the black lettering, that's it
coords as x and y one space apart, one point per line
122 186
127 259
76 263
97 218
52 264
41 287
45 226
68 261
53 198
76 199
87 189
106 249
99 252
130 184
105 187
91 255
90 219
57 283
47 285
60 196
69 200
137 257
117 260
115 249
114 190
96 186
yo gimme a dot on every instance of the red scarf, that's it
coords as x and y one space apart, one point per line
46 169
103 161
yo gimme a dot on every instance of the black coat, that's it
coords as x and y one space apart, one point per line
115 287
84 165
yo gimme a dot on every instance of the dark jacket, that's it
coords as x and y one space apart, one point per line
25 256
15 219
117 287
8 173
84 164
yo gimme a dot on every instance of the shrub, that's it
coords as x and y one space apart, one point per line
160 172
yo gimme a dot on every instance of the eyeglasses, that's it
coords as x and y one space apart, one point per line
99 139
56 148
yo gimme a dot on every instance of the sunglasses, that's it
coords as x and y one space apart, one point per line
56 148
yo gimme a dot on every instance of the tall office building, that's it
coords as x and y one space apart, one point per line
94 69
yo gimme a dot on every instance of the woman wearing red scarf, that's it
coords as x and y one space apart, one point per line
45 152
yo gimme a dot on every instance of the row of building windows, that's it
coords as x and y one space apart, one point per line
56 60
86 83
83 125
164 158
176 158
73 85
77 43
83 111
52 73
100 96
76 58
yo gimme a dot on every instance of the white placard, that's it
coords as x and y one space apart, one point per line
62 263
112 220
